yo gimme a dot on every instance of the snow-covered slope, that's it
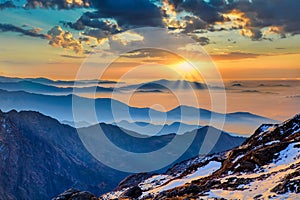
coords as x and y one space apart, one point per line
265 166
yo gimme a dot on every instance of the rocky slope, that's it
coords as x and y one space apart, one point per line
40 158
265 166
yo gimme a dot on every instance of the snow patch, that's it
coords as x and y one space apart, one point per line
237 158
272 142
288 155
201 172
208 169
154 181
265 128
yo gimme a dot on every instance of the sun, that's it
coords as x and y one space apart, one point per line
185 67
187 71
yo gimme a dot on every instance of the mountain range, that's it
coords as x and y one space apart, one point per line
48 86
166 85
44 85
46 81
157 129
40 157
39 88
111 111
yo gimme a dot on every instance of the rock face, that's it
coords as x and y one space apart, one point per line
40 158
74 194
266 165
132 193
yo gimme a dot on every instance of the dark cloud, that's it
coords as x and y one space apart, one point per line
149 91
257 91
56 4
7 4
96 33
116 16
194 23
31 32
201 40
84 40
281 16
129 13
92 20
192 16
237 85
294 96
251 91
273 85
205 11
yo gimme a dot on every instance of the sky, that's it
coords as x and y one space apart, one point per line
242 39
256 39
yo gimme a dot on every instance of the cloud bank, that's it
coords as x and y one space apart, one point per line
256 19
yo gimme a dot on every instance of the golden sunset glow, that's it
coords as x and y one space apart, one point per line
185 67
239 47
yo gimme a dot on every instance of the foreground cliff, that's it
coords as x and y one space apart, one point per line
265 166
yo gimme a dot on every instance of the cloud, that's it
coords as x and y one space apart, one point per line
144 53
205 11
251 91
201 40
7 4
282 17
31 32
273 85
149 91
256 19
237 85
56 36
251 17
294 96
234 56
56 4
257 91
193 23
96 33
73 57
115 16
129 13
92 20
64 39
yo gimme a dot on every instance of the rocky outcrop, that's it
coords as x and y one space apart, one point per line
74 194
132 193
266 165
